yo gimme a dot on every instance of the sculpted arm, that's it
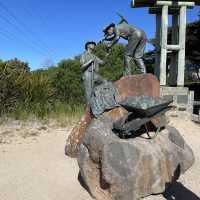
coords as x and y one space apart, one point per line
84 63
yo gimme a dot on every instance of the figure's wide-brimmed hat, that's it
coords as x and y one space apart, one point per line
90 42
105 30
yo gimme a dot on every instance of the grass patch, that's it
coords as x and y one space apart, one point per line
62 113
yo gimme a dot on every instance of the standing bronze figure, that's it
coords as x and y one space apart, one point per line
90 67
136 43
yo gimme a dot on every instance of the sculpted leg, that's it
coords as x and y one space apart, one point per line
88 89
140 64
127 65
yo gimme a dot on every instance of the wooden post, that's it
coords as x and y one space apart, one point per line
158 32
174 56
162 8
164 32
182 41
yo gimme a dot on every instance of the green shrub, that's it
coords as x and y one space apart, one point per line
37 94
67 82
11 74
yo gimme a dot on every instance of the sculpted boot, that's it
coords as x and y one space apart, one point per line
140 64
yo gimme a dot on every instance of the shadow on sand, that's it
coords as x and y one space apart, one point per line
177 191
83 184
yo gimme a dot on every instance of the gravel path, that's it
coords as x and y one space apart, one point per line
33 165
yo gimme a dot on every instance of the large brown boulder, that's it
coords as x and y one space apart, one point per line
138 85
134 85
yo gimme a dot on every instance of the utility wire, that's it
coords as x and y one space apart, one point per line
32 43
37 15
10 36
19 21
27 30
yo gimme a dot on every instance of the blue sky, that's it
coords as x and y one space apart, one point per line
44 32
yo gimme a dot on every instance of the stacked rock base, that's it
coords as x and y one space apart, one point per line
116 169
127 169
134 85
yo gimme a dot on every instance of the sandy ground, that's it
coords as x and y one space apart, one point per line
33 165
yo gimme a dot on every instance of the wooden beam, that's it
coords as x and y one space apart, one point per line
182 41
164 34
175 3
173 47
158 32
174 56
158 10
151 3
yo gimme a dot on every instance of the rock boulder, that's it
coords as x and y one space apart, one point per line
134 85
128 169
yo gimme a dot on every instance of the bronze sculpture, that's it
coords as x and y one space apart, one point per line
90 66
136 38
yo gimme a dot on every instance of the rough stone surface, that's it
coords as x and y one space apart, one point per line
73 141
134 85
138 85
116 169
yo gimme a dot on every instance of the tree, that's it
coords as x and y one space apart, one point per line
193 46
68 83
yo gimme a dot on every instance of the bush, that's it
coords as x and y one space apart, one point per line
11 74
54 91
37 94
67 82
